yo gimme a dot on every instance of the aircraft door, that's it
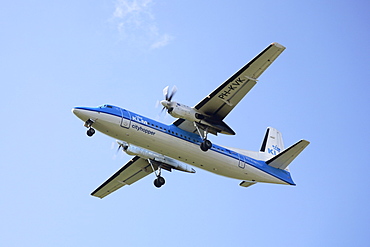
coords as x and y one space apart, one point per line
126 119
241 161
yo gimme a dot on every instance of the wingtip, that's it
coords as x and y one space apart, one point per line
278 45
307 142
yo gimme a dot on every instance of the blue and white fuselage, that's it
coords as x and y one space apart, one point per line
178 144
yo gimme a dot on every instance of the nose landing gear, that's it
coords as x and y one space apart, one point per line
90 132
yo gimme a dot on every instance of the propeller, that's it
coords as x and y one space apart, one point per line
167 102
122 145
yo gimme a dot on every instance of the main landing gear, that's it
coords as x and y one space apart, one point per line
206 144
159 181
90 132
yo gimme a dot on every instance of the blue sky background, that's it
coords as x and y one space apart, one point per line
55 55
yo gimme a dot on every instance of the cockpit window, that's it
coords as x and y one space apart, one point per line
105 106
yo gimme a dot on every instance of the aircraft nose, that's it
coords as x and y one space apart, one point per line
85 113
76 111
79 112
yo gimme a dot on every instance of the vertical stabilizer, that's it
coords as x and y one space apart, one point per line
272 144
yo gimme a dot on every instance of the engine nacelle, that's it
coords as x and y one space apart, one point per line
177 110
147 154
182 111
143 153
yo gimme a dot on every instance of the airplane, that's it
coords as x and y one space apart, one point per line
184 144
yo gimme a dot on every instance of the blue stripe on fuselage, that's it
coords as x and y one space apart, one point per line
174 131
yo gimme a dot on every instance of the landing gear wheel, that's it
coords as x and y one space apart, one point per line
158 182
90 132
203 148
205 145
161 180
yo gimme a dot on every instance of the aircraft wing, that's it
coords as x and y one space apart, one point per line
134 170
223 99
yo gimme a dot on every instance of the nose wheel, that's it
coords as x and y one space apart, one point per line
90 132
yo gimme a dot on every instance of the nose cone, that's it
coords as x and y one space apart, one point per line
77 111
84 113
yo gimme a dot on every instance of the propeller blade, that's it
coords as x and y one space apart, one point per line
173 92
169 96
165 92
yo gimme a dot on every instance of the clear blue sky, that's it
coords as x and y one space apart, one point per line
55 55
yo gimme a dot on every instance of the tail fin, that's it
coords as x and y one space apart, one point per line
272 144
273 149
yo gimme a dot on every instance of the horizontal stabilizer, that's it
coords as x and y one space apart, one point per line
282 160
247 183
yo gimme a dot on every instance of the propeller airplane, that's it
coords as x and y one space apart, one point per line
184 144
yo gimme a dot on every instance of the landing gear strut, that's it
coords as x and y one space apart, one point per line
206 144
159 181
90 132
